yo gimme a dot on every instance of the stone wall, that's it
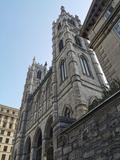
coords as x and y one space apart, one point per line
96 136
102 34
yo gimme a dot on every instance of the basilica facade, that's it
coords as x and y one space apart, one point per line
61 94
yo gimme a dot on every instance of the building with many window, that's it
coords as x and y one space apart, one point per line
102 28
63 93
8 123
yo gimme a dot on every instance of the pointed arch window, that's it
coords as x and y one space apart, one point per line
39 148
39 74
48 135
67 112
78 41
37 143
63 72
61 45
85 66
59 26
71 21
27 149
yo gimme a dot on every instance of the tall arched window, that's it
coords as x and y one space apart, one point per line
61 45
59 26
85 66
37 143
39 74
27 149
48 135
78 41
63 73
39 148
67 112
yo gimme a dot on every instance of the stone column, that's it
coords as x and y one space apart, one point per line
17 157
43 149
80 104
54 74
19 152
33 153
58 127
98 69
23 156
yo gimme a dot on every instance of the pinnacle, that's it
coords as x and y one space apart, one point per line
62 9
33 60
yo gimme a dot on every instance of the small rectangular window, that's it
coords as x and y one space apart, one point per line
109 12
1 109
10 125
2 132
6 117
12 118
3 156
7 140
1 138
5 148
8 133
4 124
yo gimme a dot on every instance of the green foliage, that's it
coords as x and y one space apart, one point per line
107 92
114 87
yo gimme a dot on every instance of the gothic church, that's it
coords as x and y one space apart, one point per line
62 93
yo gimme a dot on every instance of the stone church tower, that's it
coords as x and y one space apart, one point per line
54 99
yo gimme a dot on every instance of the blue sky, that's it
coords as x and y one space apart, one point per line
25 32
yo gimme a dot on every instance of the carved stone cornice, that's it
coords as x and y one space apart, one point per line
94 13
106 28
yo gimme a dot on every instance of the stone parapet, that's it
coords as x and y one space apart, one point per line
94 136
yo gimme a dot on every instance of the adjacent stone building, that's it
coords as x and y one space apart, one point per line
102 28
8 123
54 99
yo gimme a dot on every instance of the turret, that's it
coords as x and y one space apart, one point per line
36 73
74 67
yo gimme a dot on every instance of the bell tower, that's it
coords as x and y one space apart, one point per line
76 72
36 73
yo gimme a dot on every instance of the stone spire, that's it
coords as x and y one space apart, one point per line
33 60
63 10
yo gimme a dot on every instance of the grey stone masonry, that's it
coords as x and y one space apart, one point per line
95 136
54 99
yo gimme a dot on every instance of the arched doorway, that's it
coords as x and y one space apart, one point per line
27 149
49 139
37 144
